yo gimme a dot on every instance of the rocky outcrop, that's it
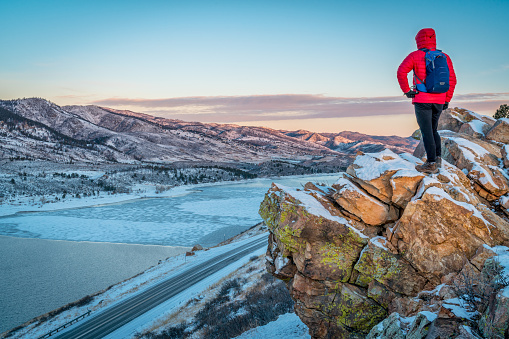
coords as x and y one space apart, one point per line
378 252
481 154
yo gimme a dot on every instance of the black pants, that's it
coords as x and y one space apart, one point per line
427 117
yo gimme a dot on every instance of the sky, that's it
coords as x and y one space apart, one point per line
324 66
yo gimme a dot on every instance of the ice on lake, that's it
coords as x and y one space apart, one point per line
206 216
100 246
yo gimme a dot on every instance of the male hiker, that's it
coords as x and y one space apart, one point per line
434 83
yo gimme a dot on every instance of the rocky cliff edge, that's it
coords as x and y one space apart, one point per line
384 251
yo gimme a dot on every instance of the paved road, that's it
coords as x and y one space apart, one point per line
128 310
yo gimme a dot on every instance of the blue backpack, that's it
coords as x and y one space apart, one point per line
437 73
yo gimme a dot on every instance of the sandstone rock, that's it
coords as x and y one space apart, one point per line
420 326
464 151
387 239
420 151
390 328
470 116
404 185
447 292
406 306
491 179
319 326
450 120
500 131
353 199
323 246
505 155
481 255
475 128
381 294
357 311
277 264
444 328
457 231
313 294
378 263
372 171
504 203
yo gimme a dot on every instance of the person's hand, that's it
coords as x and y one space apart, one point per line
446 106
411 94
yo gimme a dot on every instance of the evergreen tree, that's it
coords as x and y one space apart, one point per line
502 112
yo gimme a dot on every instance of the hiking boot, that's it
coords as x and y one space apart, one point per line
428 167
439 162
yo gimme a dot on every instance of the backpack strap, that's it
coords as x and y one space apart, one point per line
415 76
425 50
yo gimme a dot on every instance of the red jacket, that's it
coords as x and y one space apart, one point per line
415 62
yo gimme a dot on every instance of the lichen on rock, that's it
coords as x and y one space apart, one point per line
386 239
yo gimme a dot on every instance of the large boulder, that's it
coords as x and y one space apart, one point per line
307 228
480 160
373 172
455 119
359 203
386 239
458 229
500 131
391 270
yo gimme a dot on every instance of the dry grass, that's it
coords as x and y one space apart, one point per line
246 298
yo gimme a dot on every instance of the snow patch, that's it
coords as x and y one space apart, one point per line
312 205
429 315
287 326
374 165
458 310
378 242
477 126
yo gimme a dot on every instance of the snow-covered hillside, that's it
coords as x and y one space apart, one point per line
38 129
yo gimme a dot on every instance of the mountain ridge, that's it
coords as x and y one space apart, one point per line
127 136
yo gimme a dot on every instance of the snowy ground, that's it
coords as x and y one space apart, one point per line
23 204
229 207
166 269
287 326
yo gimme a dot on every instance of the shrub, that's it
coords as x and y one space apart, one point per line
502 112
477 290
223 318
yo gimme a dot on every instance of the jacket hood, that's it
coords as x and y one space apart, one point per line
426 38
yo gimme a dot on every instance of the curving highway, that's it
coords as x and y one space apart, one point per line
122 313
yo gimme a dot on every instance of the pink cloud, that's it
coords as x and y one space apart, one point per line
287 106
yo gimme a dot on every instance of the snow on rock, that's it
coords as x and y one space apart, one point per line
370 166
411 261
358 202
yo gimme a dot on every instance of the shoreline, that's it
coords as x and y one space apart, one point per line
9 210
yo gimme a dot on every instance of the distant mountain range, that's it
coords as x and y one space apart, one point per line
38 129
